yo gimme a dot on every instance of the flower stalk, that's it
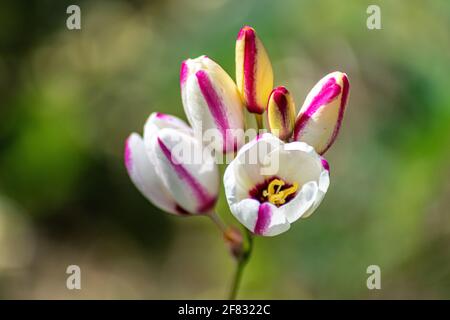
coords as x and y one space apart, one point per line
242 261
218 222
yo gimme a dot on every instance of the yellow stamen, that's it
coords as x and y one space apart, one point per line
278 196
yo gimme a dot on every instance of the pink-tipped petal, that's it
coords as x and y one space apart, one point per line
158 120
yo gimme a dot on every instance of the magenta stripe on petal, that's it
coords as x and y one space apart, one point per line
217 109
325 164
127 155
183 73
329 91
205 200
241 33
164 116
168 118
263 219
279 95
213 100
250 70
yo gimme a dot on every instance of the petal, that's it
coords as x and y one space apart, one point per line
281 113
271 221
324 183
302 202
157 121
254 75
251 163
233 191
246 212
244 172
184 70
213 104
142 173
262 219
298 162
261 139
320 117
189 173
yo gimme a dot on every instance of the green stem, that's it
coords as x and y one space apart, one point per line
259 121
218 221
241 263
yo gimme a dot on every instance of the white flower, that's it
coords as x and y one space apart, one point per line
282 183
211 101
163 167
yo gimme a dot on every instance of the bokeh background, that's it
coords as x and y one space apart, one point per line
68 100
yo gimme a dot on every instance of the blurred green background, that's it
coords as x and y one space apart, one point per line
68 100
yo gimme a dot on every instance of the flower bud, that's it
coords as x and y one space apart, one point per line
193 184
281 113
254 76
211 101
156 166
320 117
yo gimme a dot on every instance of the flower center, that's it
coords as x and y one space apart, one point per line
275 194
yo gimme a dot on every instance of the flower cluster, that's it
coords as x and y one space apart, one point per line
288 176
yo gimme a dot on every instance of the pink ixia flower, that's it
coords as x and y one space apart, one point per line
267 201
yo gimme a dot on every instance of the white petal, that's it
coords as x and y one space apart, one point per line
262 219
252 165
324 182
246 212
190 174
301 203
157 121
142 173
298 162
242 173
233 191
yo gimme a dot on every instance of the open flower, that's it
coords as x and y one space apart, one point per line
212 102
165 167
270 184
